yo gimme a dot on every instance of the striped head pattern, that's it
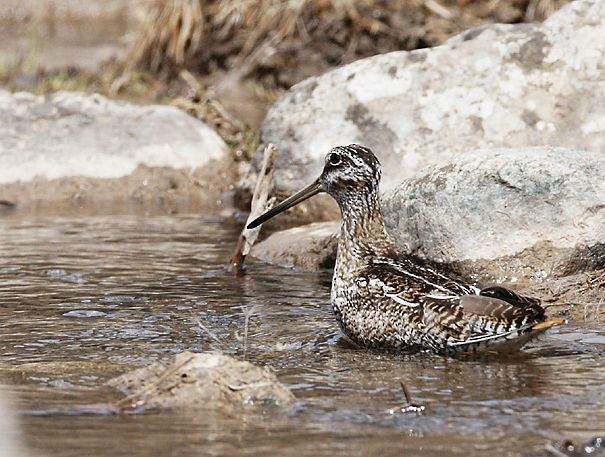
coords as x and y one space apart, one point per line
351 168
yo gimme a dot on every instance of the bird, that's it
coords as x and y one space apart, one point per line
384 298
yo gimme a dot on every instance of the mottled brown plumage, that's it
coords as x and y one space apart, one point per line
384 298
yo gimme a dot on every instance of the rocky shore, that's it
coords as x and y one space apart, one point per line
491 144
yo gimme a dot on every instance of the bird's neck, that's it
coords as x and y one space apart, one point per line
363 231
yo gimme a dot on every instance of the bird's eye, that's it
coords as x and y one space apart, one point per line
334 159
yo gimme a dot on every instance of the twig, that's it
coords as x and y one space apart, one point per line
409 407
190 79
406 392
263 187
438 9
554 451
252 385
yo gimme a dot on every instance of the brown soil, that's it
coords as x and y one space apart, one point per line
145 191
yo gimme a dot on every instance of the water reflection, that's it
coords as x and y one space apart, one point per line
85 299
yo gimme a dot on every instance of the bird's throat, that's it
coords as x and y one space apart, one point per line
363 230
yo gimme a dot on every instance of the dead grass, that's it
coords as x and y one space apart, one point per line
282 42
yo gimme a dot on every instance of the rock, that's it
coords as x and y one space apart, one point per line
204 381
310 247
77 134
496 86
535 212
82 147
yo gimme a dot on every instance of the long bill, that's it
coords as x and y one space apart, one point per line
295 199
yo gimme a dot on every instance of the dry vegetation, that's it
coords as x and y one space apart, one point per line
282 42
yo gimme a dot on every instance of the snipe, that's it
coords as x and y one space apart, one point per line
384 298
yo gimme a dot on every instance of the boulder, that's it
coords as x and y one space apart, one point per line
76 146
310 247
526 212
207 381
495 86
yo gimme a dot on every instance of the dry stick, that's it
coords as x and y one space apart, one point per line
263 188
438 9
406 392
409 407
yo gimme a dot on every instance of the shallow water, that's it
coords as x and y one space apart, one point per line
85 299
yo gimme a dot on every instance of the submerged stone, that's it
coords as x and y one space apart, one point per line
204 381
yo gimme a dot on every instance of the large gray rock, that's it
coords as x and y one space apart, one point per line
497 86
85 148
535 212
77 134
204 381
508 214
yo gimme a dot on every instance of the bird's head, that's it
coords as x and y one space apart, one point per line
348 171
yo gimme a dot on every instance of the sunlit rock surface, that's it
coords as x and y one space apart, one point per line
77 134
310 247
204 381
497 86
537 210
76 147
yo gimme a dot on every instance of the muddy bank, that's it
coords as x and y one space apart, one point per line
145 191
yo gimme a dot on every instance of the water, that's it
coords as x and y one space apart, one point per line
85 299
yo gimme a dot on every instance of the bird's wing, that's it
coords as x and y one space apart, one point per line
418 276
491 317
444 318
490 314
437 314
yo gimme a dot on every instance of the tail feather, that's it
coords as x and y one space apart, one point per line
548 324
